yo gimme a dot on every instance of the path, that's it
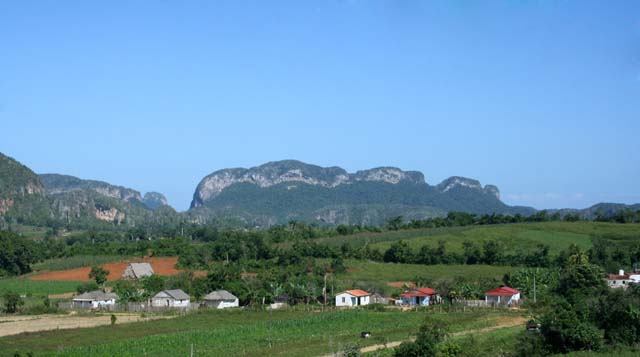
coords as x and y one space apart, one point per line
511 322
13 325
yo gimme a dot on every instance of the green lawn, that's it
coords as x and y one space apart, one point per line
517 237
77 261
24 286
292 333
377 274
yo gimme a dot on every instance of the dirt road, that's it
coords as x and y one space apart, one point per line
13 325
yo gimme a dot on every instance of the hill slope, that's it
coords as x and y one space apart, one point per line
22 196
86 201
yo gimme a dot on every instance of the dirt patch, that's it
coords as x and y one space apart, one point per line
401 284
13 325
61 296
161 266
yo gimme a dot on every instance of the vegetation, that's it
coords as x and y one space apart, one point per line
289 332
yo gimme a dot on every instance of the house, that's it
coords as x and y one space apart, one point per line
171 298
353 298
377 298
503 295
221 299
419 297
135 271
94 300
622 280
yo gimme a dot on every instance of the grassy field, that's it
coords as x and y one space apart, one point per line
27 287
77 261
517 237
291 333
377 274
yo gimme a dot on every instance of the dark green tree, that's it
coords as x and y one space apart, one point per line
12 301
99 274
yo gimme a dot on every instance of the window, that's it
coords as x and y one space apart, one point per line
343 299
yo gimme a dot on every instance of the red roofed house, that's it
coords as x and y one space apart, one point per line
353 298
503 295
419 296
622 280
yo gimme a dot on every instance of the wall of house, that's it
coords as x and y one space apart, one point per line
222 304
343 300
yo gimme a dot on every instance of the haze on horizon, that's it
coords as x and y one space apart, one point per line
540 98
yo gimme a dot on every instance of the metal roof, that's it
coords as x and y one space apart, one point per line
220 295
177 294
141 269
95 296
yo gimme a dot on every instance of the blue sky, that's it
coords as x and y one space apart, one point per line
541 98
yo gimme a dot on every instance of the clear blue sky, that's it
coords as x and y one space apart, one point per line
541 98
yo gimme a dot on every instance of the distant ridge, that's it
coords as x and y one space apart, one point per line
280 191
273 193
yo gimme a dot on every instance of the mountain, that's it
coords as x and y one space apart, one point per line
53 199
280 191
83 201
600 209
22 196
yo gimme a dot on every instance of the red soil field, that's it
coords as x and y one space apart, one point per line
161 266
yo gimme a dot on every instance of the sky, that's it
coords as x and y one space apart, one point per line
541 98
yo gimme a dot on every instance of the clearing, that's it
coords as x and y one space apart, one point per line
161 266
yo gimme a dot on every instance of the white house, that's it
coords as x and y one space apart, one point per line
353 298
221 299
622 280
94 300
171 298
135 271
503 295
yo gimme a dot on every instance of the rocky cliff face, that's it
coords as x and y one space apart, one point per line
291 190
55 183
75 198
21 192
291 171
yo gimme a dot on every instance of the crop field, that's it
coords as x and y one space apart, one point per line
25 286
516 237
161 266
286 332
77 261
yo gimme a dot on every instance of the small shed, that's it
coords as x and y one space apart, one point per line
419 297
353 298
135 271
94 300
221 299
171 298
377 298
503 295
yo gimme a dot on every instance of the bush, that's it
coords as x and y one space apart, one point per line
12 301
531 344
86 287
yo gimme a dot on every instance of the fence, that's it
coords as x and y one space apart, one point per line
129 307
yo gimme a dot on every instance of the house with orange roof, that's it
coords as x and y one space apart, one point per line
353 298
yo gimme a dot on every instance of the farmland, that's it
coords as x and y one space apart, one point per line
244 333
521 236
